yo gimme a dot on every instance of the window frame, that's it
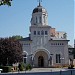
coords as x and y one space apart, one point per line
42 32
34 32
58 60
38 33
46 32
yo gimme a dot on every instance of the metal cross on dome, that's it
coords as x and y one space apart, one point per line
39 2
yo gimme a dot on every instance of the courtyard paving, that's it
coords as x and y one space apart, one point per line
47 70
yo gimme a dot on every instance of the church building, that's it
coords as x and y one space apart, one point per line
44 47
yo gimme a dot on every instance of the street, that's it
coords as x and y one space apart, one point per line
69 72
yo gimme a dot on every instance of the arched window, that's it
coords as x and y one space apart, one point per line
38 32
36 19
44 18
34 32
46 33
39 19
24 58
58 58
42 32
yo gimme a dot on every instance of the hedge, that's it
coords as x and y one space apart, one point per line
6 68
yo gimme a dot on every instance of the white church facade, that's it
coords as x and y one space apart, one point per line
45 46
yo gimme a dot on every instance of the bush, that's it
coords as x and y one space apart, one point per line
28 67
71 67
6 68
21 66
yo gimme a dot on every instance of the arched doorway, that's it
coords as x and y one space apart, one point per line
40 61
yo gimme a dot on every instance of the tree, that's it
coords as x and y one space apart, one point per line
5 2
17 37
10 51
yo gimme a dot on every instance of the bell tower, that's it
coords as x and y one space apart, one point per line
39 29
39 16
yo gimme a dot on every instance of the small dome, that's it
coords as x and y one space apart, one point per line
39 9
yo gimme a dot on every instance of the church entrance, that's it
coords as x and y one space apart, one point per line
40 61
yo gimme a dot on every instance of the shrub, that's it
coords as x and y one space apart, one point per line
28 67
6 68
71 67
21 66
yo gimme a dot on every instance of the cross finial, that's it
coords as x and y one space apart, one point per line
40 2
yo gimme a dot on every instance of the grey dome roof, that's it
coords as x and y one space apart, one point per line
39 9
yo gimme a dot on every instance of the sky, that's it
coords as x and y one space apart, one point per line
15 20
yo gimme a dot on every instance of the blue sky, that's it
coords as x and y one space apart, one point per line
15 20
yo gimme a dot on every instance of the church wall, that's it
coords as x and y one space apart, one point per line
54 49
32 29
66 53
26 46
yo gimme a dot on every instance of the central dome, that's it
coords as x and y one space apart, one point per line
39 9
39 16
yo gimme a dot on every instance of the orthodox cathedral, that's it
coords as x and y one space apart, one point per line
44 47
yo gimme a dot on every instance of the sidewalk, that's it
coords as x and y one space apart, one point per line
34 70
47 69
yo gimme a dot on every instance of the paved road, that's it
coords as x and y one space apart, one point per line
44 71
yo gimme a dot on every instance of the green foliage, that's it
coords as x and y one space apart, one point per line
6 68
28 67
17 37
21 66
5 2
